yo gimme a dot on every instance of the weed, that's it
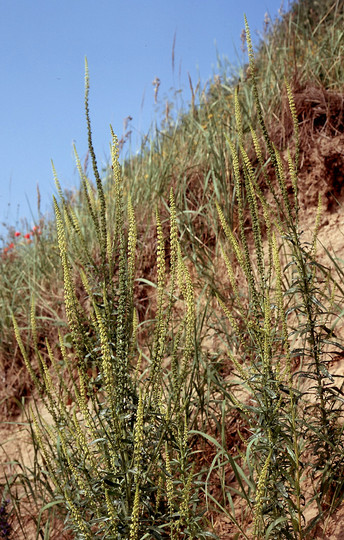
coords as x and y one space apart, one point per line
134 396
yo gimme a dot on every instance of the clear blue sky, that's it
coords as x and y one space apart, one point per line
128 43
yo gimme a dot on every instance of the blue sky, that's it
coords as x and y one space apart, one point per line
128 44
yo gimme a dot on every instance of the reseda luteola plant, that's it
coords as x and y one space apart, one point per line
290 299
116 448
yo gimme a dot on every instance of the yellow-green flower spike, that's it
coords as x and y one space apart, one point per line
134 525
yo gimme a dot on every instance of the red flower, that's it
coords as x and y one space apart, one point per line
27 236
34 228
17 233
11 246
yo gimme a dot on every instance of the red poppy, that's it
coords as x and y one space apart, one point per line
27 236
11 246
17 233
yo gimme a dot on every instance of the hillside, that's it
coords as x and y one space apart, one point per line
172 344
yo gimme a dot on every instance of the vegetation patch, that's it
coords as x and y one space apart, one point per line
180 369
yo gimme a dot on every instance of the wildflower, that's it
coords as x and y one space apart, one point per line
17 233
11 246
27 236
134 527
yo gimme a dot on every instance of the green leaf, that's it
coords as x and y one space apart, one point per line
273 525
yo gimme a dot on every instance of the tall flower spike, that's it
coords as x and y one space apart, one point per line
77 518
132 237
282 183
253 207
294 181
293 111
139 435
256 96
159 338
76 473
230 236
186 286
281 314
134 526
69 292
95 166
267 336
112 513
173 250
238 117
169 482
122 345
261 484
